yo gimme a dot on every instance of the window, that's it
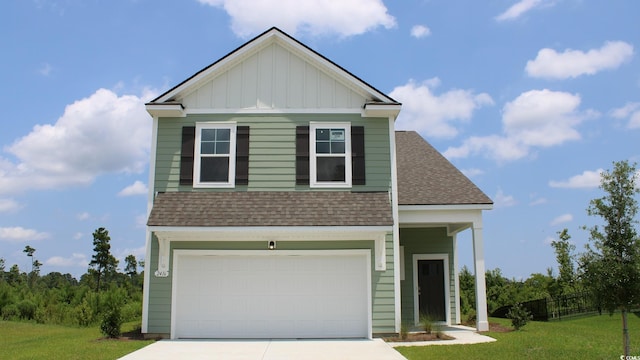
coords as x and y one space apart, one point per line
215 149
330 154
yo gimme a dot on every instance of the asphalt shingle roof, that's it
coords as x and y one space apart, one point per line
425 177
271 208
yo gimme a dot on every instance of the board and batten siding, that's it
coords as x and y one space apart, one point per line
272 150
381 281
274 78
424 241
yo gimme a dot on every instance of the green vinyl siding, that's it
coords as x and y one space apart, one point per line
272 150
424 241
383 305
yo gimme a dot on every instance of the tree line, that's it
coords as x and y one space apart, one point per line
56 298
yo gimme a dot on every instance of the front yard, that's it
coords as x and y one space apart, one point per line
595 337
20 340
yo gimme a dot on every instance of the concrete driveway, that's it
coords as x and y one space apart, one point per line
375 349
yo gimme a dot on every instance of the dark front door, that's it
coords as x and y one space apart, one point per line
431 294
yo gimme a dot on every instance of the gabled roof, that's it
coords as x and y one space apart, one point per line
271 208
373 97
425 177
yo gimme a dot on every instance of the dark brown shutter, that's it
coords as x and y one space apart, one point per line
242 155
357 156
187 155
302 155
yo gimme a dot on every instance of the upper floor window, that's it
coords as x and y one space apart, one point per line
330 154
215 154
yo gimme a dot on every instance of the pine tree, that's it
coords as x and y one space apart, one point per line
102 262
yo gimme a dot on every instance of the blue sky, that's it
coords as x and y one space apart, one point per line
531 99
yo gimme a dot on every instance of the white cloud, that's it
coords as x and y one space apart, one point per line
501 200
141 221
573 63
630 111
83 216
518 9
137 252
45 70
472 172
433 114
7 205
103 133
535 119
315 17
538 201
19 234
75 260
78 236
137 188
564 218
588 179
420 31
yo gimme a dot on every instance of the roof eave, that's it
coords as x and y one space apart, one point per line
165 109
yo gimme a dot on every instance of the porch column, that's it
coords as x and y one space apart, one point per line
482 320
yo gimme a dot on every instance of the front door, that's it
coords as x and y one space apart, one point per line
431 289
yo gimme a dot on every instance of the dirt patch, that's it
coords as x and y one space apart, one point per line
133 335
499 328
411 337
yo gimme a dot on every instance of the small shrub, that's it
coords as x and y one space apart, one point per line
519 316
426 323
10 312
404 331
84 313
111 322
27 309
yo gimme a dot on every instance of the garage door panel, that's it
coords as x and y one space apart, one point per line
267 296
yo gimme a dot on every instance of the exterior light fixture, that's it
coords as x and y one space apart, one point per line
271 245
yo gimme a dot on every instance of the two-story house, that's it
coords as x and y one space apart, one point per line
283 204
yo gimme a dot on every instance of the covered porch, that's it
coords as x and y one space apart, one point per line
429 262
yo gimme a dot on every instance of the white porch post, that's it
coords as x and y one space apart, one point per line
482 320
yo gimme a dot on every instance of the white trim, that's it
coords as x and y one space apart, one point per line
446 207
456 278
381 110
150 195
166 235
402 271
232 126
165 110
447 295
396 225
258 111
313 157
180 253
253 233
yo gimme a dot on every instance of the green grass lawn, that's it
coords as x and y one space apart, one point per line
595 337
20 340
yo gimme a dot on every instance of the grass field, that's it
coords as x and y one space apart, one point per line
594 337
20 340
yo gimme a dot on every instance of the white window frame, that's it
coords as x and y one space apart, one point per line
313 156
198 156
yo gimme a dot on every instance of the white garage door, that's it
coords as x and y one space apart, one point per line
264 295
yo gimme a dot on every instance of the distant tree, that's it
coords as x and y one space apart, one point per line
2 267
611 267
131 267
103 264
565 257
29 251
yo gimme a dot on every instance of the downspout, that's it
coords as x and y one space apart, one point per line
396 227
150 196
